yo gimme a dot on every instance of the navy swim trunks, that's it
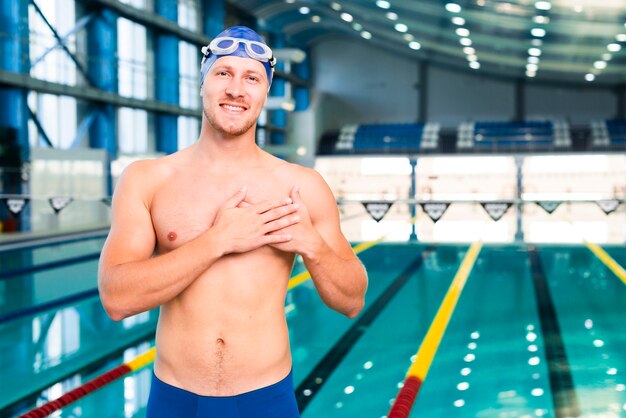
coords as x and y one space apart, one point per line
274 401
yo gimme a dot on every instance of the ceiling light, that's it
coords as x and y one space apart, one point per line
366 34
590 77
458 20
600 65
463 32
530 73
614 47
347 17
578 8
453 8
543 5
401 27
532 67
535 52
392 16
414 45
468 50
316 19
620 37
533 60
536 42
357 27
290 1
474 64
408 37
465 41
606 57
480 2
538 32
304 10
383 4
541 19
336 6
472 57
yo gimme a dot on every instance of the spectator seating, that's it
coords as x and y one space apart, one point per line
527 135
608 133
388 138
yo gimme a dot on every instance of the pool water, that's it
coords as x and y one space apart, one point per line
537 331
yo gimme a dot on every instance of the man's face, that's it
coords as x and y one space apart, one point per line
233 94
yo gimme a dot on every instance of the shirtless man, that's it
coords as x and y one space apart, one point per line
209 234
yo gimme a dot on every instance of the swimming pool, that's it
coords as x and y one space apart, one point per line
537 331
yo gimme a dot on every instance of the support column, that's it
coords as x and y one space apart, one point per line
412 195
520 100
278 117
166 79
214 12
102 69
301 94
14 57
620 92
519 231
422 93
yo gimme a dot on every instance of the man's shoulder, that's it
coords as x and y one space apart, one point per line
147 174
298 173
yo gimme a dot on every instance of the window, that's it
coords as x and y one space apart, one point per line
189 80
56 65
132 131
132 52
188 131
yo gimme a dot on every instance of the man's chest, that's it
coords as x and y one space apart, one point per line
182 210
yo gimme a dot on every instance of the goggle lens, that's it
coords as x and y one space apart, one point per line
227 45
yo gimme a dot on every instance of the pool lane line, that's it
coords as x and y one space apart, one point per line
83 390
55 303
607 260
418 370
52 240
313 382
300 278
8 274
561 383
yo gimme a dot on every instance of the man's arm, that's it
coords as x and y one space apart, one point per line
339 276
131 280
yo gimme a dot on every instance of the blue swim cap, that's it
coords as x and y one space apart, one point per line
238 41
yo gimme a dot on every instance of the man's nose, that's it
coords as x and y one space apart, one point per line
235 88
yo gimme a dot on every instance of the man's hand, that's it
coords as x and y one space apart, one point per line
240 227
304 237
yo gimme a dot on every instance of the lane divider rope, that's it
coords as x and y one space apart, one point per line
418 370
137 363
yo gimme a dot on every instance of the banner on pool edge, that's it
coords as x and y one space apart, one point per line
496 209
548 205
435 210
58 203
377 209
15 205
608 206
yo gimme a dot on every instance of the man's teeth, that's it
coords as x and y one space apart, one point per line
235 108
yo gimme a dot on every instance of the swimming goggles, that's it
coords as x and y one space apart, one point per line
227 45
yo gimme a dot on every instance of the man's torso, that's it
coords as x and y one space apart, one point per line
226 333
